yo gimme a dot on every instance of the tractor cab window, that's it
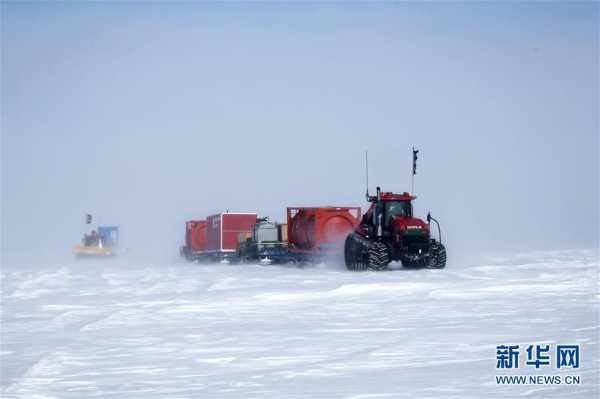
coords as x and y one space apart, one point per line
396 208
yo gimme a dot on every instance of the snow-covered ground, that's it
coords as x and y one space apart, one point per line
118 329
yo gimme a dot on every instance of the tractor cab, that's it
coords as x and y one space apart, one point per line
392 214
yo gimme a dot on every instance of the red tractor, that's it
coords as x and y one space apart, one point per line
389 232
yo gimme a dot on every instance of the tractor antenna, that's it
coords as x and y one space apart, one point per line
414 170
367 172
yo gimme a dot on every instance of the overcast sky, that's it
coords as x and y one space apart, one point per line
147 115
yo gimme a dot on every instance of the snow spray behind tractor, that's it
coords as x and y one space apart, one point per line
389 232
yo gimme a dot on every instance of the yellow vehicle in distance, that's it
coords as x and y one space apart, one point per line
103 242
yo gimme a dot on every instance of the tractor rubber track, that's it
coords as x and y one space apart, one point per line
379 255
362 254
438 255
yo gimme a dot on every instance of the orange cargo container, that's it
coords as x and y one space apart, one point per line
195 239
195 235
320 229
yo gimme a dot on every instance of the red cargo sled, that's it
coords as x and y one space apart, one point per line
216 238
312 233
223 231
